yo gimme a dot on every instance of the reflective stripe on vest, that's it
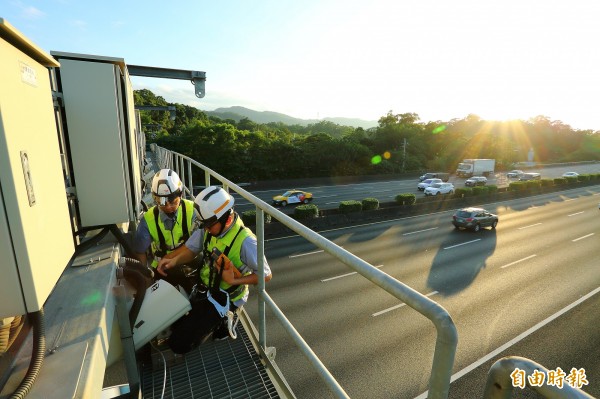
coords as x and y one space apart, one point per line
234 255
172 238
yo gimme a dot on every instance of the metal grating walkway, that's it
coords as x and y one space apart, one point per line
216 369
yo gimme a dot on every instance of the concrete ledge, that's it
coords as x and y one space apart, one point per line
79 315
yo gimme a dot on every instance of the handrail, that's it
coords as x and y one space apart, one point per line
447 335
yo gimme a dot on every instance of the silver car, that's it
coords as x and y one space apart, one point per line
476 181
515 173
426 183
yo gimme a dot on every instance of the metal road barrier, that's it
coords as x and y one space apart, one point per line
447 335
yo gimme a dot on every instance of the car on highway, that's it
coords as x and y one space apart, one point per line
426 183
476 181
439 188
515 173
530 176
570 174
292 197
474 219
435 175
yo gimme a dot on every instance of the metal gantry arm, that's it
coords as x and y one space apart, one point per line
198 78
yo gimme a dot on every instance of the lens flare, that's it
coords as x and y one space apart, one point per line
439 129
376 159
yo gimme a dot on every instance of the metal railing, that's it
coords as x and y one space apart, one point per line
447 336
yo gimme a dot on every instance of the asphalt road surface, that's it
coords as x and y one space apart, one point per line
328 197
528 288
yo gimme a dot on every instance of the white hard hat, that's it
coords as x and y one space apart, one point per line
212 203
166 185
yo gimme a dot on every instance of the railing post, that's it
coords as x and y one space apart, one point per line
206 178
190 180
260 238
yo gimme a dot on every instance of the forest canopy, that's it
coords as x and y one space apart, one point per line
401 143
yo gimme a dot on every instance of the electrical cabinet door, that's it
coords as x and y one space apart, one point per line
36 241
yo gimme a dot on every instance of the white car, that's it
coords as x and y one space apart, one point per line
570 174
427 182
440 188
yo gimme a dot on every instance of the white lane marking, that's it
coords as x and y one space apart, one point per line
570 199
581 238
518 261
515 340
343 275
573 214
397 306
306 253
464 243
418 231
531 225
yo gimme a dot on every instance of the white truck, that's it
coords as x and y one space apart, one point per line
476 167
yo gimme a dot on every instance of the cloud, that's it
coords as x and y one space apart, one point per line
30 12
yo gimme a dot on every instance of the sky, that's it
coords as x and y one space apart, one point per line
500 60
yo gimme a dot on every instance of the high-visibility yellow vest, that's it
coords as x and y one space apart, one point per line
163 240
233 240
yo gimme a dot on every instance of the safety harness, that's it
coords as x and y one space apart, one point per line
214 277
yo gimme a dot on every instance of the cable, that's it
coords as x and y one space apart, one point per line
121 238
37 355
162 395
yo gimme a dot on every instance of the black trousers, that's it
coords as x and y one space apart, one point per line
196 327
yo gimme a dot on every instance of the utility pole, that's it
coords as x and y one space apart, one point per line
404 153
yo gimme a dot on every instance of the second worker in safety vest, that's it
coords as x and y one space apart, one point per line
230 264
166 226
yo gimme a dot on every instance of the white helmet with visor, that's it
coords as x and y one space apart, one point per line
166 186
213 203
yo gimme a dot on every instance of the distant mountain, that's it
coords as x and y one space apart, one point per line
237 113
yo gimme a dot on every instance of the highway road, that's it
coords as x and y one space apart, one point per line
328 197
529 288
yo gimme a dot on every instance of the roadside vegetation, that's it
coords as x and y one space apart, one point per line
246 151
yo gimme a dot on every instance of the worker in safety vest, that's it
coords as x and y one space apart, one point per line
230 263
166 226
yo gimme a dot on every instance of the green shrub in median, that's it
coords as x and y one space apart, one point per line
533 184
492 189
369 204
308 211
571 179
583 177
480 190
517 186
461 192
547 182
406 199
249 217
350 206
560 181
